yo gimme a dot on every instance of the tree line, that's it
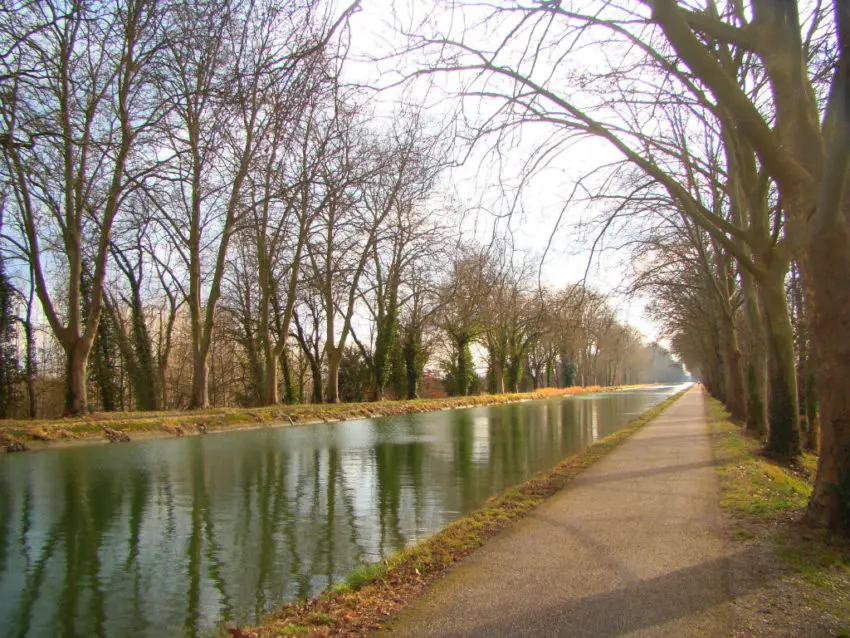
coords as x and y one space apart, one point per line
731 120
203 213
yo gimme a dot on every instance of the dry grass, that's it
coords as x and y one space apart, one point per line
375 593
16 435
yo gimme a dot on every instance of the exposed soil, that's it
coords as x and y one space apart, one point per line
772 599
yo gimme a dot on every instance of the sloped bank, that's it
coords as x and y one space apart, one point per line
375 593
114 427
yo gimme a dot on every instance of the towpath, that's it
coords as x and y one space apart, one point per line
634 546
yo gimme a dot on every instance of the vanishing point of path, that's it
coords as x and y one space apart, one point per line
634 546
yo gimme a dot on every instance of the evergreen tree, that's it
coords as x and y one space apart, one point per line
398 371
8 349
568 371
414 361
460 374
354 376
105 355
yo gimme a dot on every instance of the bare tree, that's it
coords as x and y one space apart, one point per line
800 145
76 109
223 75
461 316
409 236
286 204
364 184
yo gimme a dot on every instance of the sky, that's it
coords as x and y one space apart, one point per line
568 255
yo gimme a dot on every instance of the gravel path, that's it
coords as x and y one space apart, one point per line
633 547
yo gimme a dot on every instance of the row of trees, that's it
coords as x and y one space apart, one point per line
202 213
477 324
547 338
732 121
158 154
204 155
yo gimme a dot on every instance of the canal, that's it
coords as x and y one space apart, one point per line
182 536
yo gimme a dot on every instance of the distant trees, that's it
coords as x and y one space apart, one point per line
532 337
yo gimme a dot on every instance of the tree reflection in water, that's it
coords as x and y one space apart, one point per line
181 536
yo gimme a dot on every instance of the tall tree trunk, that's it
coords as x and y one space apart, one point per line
732 369
806 393
412 352
30 364
199 398
757 360
288 387
270 391
499 373
269 395
515 371
145 378
783 407
827 275
385 343
316 372
200 382
76 399
332 384
465 373
714 368
30 360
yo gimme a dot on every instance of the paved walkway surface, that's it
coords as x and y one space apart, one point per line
634 547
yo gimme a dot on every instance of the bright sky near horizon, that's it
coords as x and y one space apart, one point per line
480 182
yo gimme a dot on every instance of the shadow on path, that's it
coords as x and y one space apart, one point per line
657 471
635 607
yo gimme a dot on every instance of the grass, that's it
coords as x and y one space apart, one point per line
753 484
374 593
17 435
767 500
364 575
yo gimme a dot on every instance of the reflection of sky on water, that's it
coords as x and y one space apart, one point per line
173 536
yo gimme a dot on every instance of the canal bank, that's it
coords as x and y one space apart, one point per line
376 594
116 427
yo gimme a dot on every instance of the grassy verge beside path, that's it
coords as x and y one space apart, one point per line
114 426
375 593
795 580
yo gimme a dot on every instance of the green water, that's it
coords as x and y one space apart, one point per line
181 536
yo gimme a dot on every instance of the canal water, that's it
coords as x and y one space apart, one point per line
178 537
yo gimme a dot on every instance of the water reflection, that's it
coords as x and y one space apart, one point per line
176 537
